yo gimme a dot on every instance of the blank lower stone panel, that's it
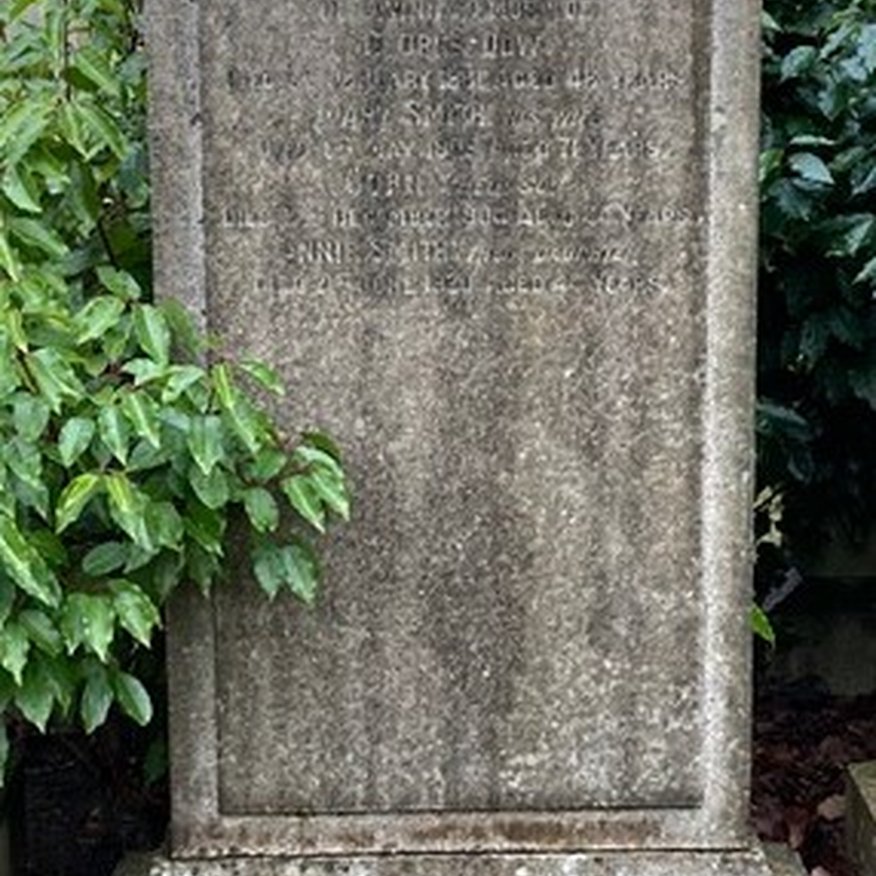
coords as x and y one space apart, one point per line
472 243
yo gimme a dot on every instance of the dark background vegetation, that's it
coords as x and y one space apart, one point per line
817 321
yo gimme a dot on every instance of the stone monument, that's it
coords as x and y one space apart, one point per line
503 250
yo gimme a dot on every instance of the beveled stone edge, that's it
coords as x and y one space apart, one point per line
175 135
728 464
175 126
752 862
447 832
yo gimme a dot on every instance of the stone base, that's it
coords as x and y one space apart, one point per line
754 863
861 816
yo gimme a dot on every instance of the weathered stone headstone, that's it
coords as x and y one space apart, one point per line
503 251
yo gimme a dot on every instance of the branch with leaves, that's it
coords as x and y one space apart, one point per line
126 445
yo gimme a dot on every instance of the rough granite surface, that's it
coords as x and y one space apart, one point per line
473 245
503 250
633 864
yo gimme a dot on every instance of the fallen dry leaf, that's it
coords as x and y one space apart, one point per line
797 819
803 742
832 808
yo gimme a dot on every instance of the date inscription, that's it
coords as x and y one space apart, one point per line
460 147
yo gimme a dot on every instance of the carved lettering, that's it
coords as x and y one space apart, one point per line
455 283
443 87
436 11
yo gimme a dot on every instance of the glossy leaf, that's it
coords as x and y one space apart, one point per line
105 558
23 125
306 455
262 510
8 594
59 677
100 126
97 316
128 509
222 383
135 610
206 526
35 698
798 61
14 646
269 570
164 525
211 489
8 259
263 375
182 377
20 190
761 625
132 697
74 498
97 697
42 631
54 377
304 498
30 416
304 573
267 464
76 435
323 442
93 65
144 371
206 442
152 332
88 620
4 752
143 416
867 273
120 283
332 491
287 566
185 337
25 566
17 8
811 167
114 431
36 234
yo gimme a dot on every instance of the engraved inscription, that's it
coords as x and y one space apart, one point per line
427 93
436 11
449 97
576 77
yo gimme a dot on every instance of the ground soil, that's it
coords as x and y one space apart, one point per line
803 740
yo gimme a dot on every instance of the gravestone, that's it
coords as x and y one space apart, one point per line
503 250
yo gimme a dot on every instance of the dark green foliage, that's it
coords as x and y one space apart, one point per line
817 332
125 444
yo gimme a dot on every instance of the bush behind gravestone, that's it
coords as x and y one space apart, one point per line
125 443
817 322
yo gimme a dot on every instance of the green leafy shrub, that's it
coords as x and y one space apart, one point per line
125 445
817 332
